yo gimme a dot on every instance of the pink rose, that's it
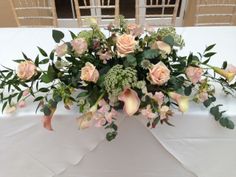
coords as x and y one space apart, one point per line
131 101
79 45
61 50
194 74
89 73
125 44
26 70
159 74
159 98
134 29
162 46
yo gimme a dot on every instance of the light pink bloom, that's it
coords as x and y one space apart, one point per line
79 45
134 29
159 74
148 112
104 107
194 74
10 109
131 101
166 48
61 50
165 112
150 29
104 56
159 98
26 92
203 96
89 73
231 68
22 104
26 70
181 100
99 119
110 115
125 44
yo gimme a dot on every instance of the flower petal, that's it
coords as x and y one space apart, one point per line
131 101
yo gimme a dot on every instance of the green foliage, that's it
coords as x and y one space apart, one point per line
150 54
57 35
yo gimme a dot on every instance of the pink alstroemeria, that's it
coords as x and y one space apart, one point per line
165 112
159 98
22 104
148 112
110 115
226 74
131 101
181 100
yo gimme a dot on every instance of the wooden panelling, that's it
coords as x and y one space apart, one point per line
6 15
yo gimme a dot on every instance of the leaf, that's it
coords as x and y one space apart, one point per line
151 53
73 35
57 35
44 61
111 135
230 124
36 62
46 110
169 40
208 102
209 47
210 54
130 61
224 66
188 90
38 98
51 56
43 90
4 106
82 94
18 61
19 96
25 57
206 61
42 52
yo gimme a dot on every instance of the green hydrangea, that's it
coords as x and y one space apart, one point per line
117 79
170 31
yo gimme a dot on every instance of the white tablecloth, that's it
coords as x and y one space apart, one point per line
196 147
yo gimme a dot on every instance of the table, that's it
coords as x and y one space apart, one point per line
196 147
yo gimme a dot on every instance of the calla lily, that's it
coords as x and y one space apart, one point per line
85 121
181 100
228 75
47 120
131 101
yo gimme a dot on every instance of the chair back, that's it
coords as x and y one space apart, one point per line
215 13
157 12
104 11
34 13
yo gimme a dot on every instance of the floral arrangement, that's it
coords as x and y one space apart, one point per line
131 69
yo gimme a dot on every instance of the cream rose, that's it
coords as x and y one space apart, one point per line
159 74
79 45
125 44
26 70
89 73
162 46
61 50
